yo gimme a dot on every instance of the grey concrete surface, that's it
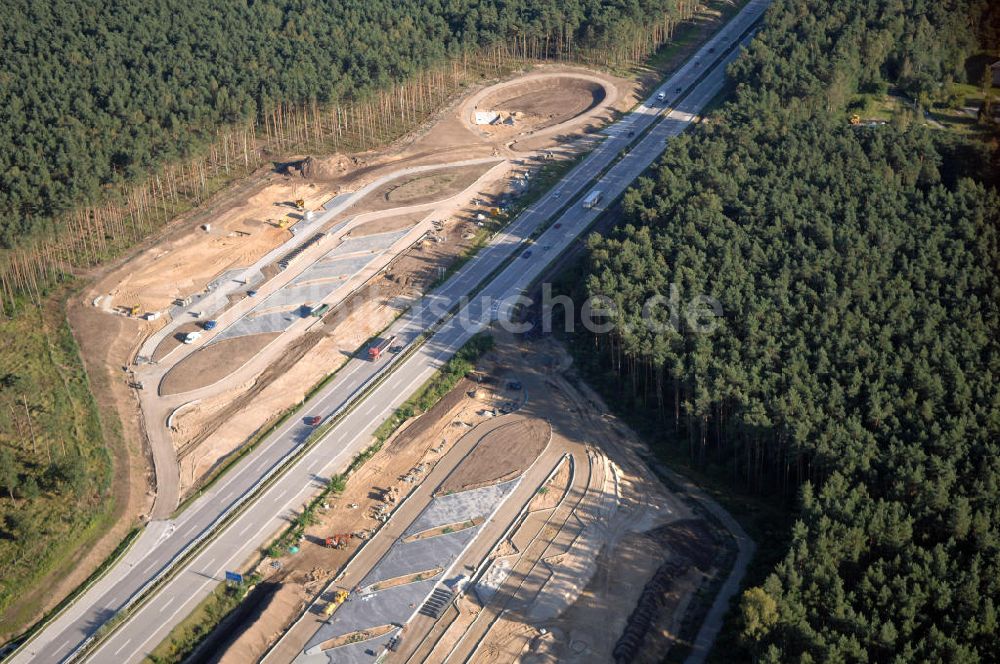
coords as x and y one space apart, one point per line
376 242
278 311
365 652
278 321
390 606
339 268
419 556
462 506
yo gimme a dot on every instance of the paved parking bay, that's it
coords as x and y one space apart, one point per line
264 324
420 555
340 268
460 507
365 652
377 242
240 539
390 606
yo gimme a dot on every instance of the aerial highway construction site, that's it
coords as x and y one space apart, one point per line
226 325
257 346
533 521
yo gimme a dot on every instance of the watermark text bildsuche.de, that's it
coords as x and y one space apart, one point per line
698 313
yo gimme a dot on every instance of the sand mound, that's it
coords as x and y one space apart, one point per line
503 453
212 363
543 102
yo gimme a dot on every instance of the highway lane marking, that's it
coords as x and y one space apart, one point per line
122 647
166 605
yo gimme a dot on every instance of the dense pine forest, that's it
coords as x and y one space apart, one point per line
96 95
854 370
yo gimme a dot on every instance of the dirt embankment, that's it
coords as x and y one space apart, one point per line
213 363
244 222
422 188
501 454
539 103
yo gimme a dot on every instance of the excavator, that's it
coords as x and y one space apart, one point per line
338 541
339 598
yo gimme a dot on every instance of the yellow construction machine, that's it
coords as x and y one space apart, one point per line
339 598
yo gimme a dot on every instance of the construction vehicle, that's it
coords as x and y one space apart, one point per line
133 310
855 119
300 204
339 598
338 541
320 310
378 347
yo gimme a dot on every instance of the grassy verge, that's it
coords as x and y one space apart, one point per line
190 632
548 175
689 35
262 434
236 456
56 494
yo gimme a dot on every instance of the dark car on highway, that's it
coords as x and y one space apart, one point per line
313 420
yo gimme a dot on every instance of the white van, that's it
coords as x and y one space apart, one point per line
661 97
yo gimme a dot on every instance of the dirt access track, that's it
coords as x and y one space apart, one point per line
247 223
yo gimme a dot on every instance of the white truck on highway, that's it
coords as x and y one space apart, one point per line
592 199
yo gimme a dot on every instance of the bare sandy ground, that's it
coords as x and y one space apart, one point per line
237 236
212 363
502 454
244 224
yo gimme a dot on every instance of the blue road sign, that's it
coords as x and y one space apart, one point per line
235 577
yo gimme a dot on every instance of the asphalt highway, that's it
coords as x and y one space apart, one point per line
162 542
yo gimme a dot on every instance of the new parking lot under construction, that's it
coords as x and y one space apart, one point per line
513 519
354 238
